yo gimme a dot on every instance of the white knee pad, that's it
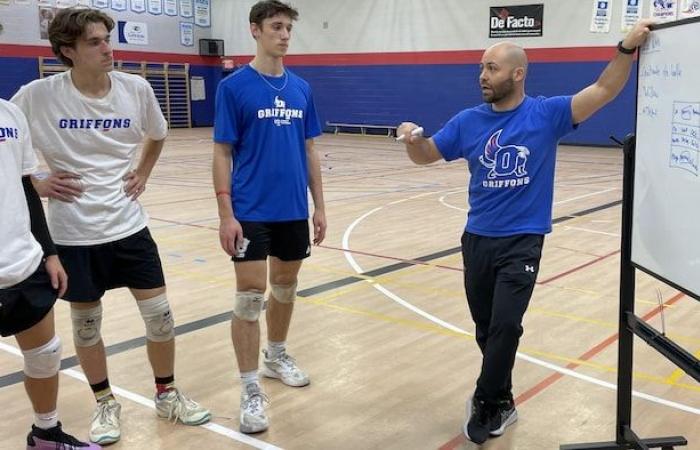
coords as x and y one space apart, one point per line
248 305
160 326
284 294
87 324
44 361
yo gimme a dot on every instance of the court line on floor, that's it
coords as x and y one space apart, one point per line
351 260
148 403
72 361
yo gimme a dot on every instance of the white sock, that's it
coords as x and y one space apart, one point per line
249 378
275 349
46 420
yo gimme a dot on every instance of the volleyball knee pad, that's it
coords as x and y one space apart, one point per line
248 305
284 293
44 361
87 324
156 314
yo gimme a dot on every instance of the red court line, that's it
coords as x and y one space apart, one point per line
577 268
556 376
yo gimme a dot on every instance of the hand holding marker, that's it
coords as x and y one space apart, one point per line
415 132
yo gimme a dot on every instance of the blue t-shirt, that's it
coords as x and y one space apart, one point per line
511 157
267 121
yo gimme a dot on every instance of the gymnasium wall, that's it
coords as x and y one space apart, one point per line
369 61
385 61
21 44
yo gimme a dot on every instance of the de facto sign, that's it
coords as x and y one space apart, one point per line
516 21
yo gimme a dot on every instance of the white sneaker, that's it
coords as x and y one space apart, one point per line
285 368
104 427
253 418
172 405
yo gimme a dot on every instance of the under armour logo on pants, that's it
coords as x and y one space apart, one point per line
529 268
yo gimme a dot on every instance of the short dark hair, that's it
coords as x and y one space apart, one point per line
270 8
69 24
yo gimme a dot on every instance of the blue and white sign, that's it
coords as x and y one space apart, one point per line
138 6
119 5
690 8
135 33
202 13
631 14
187 34
100 3
186 8
602 14
664 10
155 7
170 7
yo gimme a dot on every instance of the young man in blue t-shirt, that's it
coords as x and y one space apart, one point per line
510 145
264 162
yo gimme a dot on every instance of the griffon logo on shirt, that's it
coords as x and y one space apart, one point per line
280 113
504 161
93 124
8 133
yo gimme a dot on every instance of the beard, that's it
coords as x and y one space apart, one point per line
498 92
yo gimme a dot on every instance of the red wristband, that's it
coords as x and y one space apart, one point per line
223 193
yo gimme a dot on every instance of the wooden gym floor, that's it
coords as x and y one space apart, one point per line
381 323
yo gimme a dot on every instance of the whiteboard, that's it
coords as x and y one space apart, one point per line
666 212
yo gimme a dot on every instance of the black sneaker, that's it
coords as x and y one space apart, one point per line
505 415
55 438
477 426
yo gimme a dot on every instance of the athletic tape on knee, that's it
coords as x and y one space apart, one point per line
248 305
44 361
87 324
156 313
284 294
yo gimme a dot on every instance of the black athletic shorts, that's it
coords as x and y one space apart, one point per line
24 305
131 262
288 241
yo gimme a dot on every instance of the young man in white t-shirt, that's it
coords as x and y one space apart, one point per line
88 122
31 277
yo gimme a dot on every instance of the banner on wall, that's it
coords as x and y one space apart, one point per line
61 4
46 15
202 13
516 21
100 3
155 7
664 10
689 8
83 3
170 7
186 8
631 14
135 33
187 34
119 5
138 6
602 16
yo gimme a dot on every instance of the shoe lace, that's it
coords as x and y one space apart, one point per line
180 406
484 413
288 363
253 402
105 413
64 441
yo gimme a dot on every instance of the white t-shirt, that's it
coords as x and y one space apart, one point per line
20 253
97 139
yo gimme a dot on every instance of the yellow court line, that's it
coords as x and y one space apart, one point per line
436 329
678 373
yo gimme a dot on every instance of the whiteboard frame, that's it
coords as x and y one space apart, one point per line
686 291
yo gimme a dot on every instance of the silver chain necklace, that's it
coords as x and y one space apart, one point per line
284 85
